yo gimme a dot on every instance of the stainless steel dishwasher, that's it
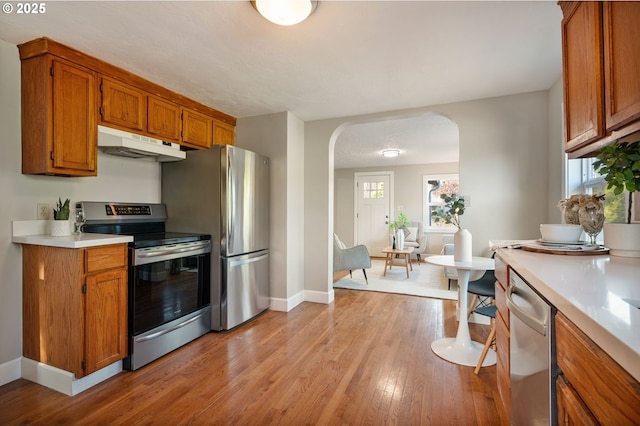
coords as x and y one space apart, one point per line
532 350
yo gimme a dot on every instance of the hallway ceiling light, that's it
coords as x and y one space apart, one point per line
285 12
390 153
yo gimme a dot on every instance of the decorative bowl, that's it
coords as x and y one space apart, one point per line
560 233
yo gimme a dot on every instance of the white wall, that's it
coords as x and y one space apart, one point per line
280 137
504 145
118 179
556 157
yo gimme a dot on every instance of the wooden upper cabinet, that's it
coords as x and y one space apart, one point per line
123 106
59 110
601 64
66 94
622 62
197 129
223 133
164 119
582 73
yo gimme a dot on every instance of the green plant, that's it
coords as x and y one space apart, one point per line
619 164
451 211
401 222
62 212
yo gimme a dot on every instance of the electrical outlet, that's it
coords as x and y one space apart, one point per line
43 211
467 200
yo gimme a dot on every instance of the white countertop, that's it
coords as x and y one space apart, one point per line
590 291
35 232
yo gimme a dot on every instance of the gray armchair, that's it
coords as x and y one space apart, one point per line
350 258
416 239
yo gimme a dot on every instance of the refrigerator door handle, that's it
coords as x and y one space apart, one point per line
230 205
247 261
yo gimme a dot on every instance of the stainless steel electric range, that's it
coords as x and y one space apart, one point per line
169 277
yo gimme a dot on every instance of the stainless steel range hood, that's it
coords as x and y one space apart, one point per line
125 144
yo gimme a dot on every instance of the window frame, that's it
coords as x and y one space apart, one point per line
426 206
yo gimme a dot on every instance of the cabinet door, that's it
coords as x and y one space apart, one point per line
622 62
105 318
503 373
582 74
223 133
571 409
75 131
123 106
197 129
163 119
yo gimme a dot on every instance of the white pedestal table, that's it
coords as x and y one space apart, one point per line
461 349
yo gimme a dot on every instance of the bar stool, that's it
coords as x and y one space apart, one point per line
489 311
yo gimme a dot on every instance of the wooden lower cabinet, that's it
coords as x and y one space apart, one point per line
592 386
75 306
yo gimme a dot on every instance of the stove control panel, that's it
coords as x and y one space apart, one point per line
127 210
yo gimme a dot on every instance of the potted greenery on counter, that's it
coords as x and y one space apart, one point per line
60 226
619 165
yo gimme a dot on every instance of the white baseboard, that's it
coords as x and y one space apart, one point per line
63 381
10 371
285 305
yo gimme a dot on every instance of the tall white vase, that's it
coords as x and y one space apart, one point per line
400 239
462 246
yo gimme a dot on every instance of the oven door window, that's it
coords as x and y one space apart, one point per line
168 289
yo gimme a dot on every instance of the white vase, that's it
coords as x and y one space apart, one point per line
462 246
400 239
60 228
622 239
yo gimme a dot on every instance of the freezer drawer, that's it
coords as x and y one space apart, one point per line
245 287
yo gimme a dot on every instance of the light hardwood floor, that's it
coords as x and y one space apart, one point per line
364 359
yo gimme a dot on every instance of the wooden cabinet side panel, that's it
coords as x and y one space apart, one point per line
163 119
75 132
123 106
37 108
106 319
583 74
622 62
197 129
571 409
53 318
587 367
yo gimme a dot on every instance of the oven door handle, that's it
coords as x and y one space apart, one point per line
533 322
168 330
169 252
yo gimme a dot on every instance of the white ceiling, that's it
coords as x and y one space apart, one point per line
348 58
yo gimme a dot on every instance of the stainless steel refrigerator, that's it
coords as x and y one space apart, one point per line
224 191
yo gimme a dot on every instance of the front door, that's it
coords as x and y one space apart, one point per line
373 204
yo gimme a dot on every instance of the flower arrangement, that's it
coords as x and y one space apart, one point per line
401 222
619 164
451 211
572 205
62 212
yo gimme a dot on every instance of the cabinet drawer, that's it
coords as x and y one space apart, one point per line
571 409
106 257
501 273
501 304
587 367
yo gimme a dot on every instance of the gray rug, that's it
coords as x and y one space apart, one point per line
425 280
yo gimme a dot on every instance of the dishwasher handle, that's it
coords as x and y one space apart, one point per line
533 322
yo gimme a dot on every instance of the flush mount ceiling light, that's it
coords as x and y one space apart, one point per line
285 12
389 153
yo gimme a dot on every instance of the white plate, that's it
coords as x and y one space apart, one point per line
562 243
